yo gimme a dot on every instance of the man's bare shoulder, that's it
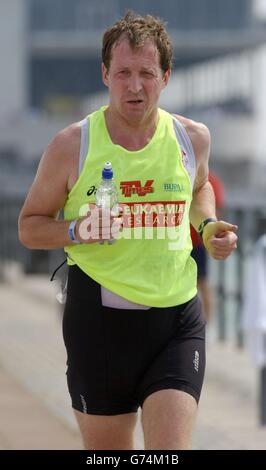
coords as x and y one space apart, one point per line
60 159
198 132
66 143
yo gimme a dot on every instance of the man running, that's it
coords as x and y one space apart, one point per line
133 325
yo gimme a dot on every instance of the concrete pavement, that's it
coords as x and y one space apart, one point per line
25 423
35 410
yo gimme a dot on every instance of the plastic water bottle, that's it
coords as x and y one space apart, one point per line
107 194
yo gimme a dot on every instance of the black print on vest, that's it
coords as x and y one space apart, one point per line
92 190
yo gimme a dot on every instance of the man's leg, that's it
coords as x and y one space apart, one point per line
168 417
107 432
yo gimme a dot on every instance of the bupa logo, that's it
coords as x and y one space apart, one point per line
134 187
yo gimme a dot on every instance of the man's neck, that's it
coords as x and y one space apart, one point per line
131 135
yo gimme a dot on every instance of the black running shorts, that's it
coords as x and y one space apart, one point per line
200 256
117 358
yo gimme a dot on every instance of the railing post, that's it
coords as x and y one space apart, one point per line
262 399
221 303
241 222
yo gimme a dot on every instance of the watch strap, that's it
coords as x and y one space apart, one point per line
204 223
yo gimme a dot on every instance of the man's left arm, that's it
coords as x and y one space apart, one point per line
219 237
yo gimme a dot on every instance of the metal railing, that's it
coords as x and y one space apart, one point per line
227 277
11 250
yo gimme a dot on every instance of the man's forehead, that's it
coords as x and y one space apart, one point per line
122 50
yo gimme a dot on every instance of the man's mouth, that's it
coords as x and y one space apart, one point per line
135 101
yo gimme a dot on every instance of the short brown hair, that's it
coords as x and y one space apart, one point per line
138 29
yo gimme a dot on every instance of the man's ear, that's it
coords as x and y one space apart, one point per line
105 77
166 77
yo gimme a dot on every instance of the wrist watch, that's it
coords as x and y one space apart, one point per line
71 231
204 223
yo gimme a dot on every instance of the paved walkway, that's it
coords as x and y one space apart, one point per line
25 423
35 410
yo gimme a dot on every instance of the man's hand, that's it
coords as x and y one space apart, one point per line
220 239
99 225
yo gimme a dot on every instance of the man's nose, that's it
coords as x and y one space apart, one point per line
135 84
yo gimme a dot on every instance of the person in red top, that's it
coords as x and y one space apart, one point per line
199 252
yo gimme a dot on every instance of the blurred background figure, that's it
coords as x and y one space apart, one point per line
200 255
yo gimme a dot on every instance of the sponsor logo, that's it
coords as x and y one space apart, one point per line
196 361
84 404
91 190
185 159
134 187
153 214
173 187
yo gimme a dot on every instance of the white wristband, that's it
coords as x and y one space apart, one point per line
71 231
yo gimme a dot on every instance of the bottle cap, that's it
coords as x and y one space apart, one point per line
107 172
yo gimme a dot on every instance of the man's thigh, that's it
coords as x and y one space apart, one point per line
107 432
168 417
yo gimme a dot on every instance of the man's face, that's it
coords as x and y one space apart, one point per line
135 80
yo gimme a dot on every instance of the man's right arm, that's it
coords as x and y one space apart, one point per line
38 224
